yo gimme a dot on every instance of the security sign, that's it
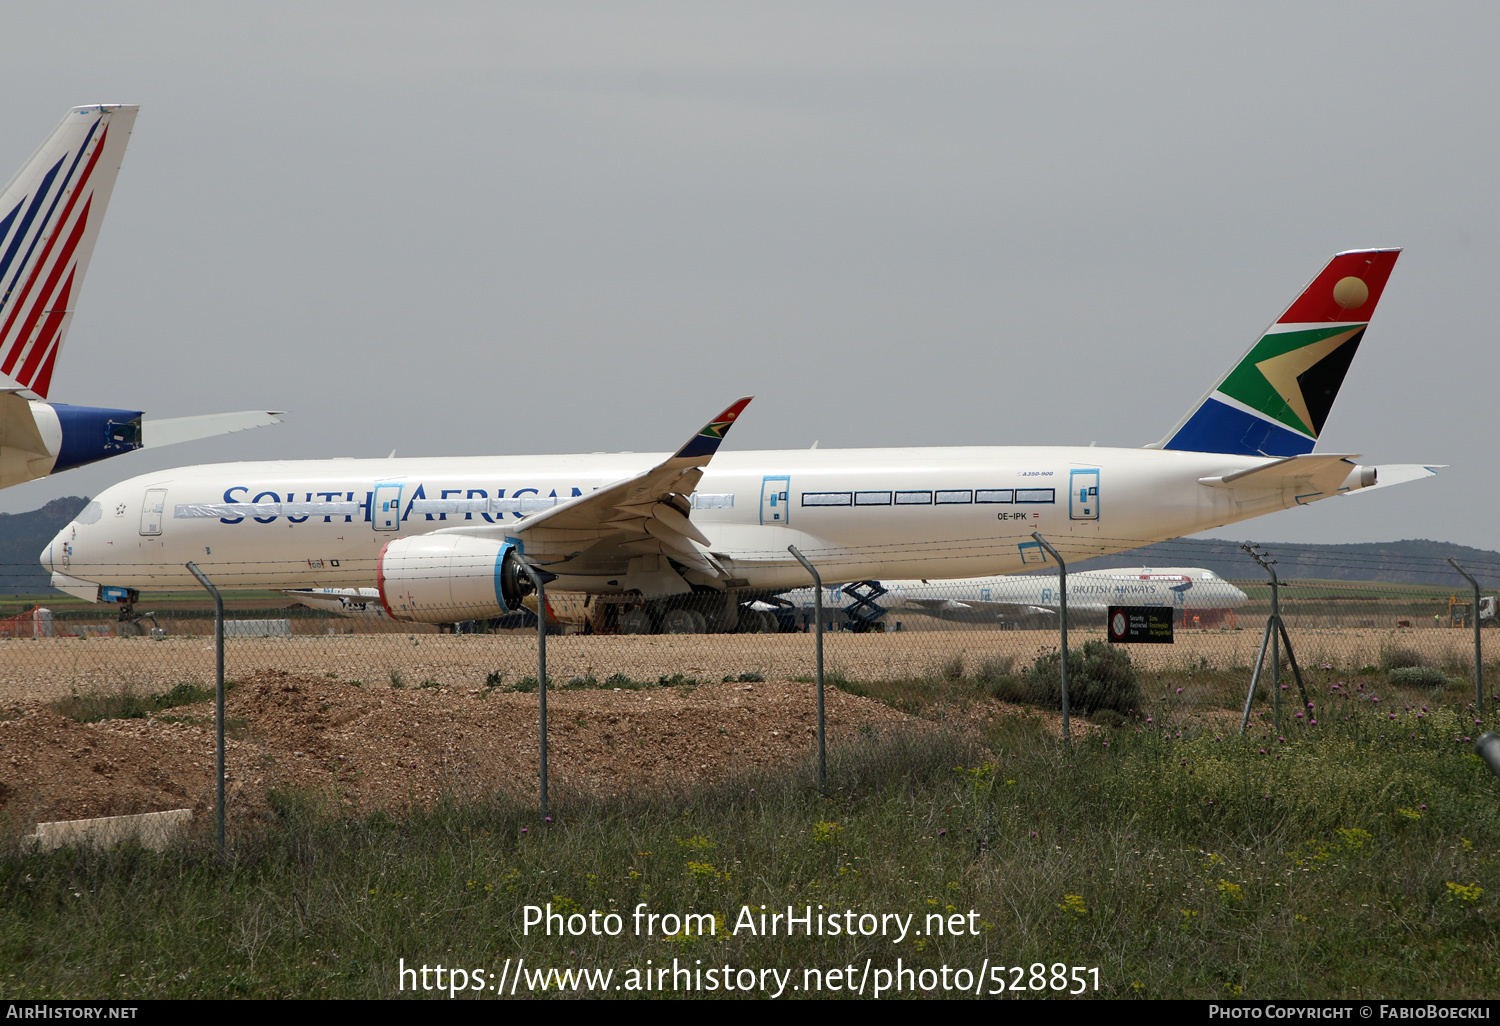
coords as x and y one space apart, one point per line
1140 625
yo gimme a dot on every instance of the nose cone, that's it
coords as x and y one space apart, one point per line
59 554
59 551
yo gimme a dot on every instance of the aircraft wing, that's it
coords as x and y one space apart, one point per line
936 606
969 611
647 513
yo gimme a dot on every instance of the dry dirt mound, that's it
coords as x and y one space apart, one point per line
380 748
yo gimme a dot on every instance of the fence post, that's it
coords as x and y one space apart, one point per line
818 614
1487 747
1478 656
541 674
1062 592
218 700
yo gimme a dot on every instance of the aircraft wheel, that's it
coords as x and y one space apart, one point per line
635 621
683 621
753 621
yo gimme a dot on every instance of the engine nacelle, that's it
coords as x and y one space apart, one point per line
37 438
90 434
450 578
1361 477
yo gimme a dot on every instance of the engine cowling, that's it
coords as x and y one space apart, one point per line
450 578
90 434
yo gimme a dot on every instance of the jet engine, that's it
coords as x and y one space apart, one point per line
450 578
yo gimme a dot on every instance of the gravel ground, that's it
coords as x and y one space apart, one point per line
363 748
319 714
53 667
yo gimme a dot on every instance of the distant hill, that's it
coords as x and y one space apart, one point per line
22 538
1413 561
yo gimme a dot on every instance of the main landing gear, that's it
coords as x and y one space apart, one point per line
702 612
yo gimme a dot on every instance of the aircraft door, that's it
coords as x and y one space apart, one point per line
774 505
385 507
1083 496
151 512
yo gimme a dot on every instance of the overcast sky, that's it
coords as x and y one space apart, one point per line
491 228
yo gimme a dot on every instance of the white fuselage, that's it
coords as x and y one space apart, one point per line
857 514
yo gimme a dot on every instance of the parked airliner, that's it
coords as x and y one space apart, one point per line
49 219
450 539
1021 597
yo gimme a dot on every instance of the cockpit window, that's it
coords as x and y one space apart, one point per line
90 514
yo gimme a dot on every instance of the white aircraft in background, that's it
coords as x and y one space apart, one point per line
1017 598
691 536
365 604
49 219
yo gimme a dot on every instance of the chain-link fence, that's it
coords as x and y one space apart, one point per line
106 709
876 630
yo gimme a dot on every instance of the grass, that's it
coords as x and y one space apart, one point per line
128 704
1357 858
614 682
1357 861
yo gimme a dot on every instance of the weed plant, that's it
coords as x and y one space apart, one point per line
128 704
1100 676
1419 677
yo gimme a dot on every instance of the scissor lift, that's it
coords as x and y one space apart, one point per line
864 613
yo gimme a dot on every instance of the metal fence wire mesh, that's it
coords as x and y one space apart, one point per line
876 629
107 710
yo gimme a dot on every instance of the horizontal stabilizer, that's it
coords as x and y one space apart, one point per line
185 429
1399 473
1282 472
1310 476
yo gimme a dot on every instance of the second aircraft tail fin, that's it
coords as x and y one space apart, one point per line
1274 401
49 218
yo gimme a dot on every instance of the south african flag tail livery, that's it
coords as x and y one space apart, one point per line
1274 401
694 539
